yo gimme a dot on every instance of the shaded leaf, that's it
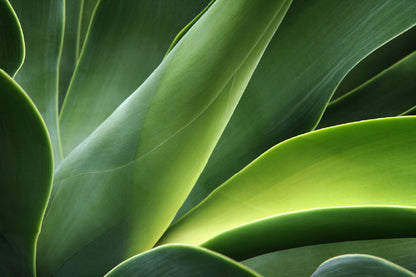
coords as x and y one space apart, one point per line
360 265
303 261
12 48
365 163
297 76
179 260
141 32
42 24
25 178
388 94
135 170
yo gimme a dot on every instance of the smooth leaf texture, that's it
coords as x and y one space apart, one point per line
12 49
87 11
303 261
141 31
283 101
316 226
42 24
25 178
360 266
381 59
178 261
390 93
127 180
69 55
365 163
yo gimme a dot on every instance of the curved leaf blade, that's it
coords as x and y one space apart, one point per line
365 163
172 135
180 260
141 31
12 46
312 227
42 23
283 101
303 261
25 178
360 265
389 94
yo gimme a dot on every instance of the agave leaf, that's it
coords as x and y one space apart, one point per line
87 11
315 226
154 146
303 261
25 178
180 260
390 93
365 163
12 47
382 58
284 101
360 265
69 55
42 24
141 31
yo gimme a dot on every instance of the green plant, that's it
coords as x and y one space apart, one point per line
188 142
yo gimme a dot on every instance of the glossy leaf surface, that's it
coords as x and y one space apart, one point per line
365 163
297 76
126 181
178 261
12 49
360 265
25 178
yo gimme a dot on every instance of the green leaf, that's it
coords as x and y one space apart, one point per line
315 226
180 260
303 261
141 31
88 7
297 75
25 178
42 24
12 47
69 54
127 180
388 94
365 163
360 265
379 60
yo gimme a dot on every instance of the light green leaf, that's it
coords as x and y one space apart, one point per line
25 178
303 261
365 163
141 31
388 94
297 75
379 60
360 266
42 24
88 7
315 226
12 48
180 260
127 180
69 55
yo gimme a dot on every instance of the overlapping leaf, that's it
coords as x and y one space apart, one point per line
316 46
25 178
365 163
178 261
119 190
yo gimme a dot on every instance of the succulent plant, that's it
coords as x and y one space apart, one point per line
198 138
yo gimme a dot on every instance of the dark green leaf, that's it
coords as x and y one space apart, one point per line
25 178
177 260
